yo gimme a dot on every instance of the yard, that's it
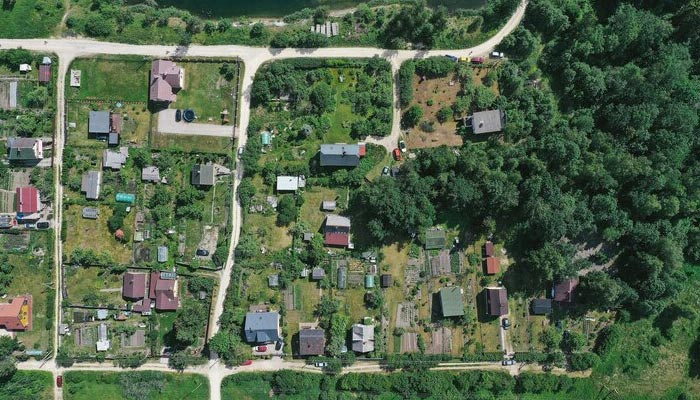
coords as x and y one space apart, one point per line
207 90
93 286
94 234
136 121
191 143
123 79
88 385
30 18
432 95
311 209
35 385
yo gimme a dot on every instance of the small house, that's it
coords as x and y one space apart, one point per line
337 230
451 303
44 73
105 125
362 338
150 174
308 236
262 327
134 286
287 183
541 306
312 342
28 202
341 155
163 291
328 205
488 121
386 280
489 250
491 265
564 291
203 175
167 79
114 160
23 151
318 273
90 212
102 343
496 301
273 280
17 314
90 184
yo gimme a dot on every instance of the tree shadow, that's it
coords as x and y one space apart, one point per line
694 359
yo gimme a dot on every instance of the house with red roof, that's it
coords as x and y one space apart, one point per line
17 314
166 80
337 231
28 204
564 291
163 290
491 265
134 287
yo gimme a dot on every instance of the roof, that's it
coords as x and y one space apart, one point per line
362 338
5 221
489 249
162 254
497 301
115 123
328 205
340 155
308 236
386 280
134 285
541 306
166 79
90 184
318 273
564 291
451 301
90 212
102 343
102 314
287 183
150 174
98 122
333 220
337 239
203 174
44 73
369 281
312 342
262 327
491 265
165 295
27 200
24 149
342 277
488 121
273 280
113 159
435 239
17 314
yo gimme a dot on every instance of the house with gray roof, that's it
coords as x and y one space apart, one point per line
90 184
203 175
318 273
105 125
150 174
328 205
115 160
24 150
488 121
262 327
362 338
162 254
287 183
312 342
90 213
341 155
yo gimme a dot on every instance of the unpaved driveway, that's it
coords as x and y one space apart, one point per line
167 124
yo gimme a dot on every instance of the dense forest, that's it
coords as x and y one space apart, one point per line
601 99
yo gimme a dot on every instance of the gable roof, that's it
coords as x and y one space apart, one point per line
203 175
150 174
134 285
27 199
564 291
287 183
312 342
98 122
166 79
90 212
318 273
489 250
17 314
340 155
90 184
115 160
451 301
24 149
337 221
328 205
44 73
262 327
362 338
491 265
165 295
488 121
541 306
497 301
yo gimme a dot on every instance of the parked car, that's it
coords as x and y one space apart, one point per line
397 154
246 362
402 146
59 381
240 151
508 362
178 115
260 349
506 323
42 225
321 364
496 54
477 60
385 170
278 345
451 57
202 252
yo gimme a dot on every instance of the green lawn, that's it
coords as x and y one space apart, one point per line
165 326
192 143
111 79
82 281
94 234
30 18
136 123
89 385
25 385
206 91
245 386
311 209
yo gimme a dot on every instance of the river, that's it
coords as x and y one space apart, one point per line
280 8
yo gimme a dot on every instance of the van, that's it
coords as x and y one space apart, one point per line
240 151
496 54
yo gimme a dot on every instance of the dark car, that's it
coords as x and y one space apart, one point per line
385 170
59 381
202 252
506 323
42 225
278 345
178 115
508 362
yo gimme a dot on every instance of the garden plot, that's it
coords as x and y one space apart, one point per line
441 341
406 314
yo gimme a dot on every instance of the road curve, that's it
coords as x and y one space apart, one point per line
253 58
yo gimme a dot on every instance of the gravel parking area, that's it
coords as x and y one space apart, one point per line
167 124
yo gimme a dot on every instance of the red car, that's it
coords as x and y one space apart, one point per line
59 381
478 60
260 349
397 154
246 362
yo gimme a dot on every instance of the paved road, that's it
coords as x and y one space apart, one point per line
252 57
167 124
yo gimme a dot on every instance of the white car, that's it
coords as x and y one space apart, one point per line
496 54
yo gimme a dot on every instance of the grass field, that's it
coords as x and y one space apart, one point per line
311 209
93 280
206 91
432 95
24 385
30 18
136 121
94 234
115 79
247 386
191 143
276 237
89 385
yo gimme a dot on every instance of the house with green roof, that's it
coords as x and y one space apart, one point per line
451 302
